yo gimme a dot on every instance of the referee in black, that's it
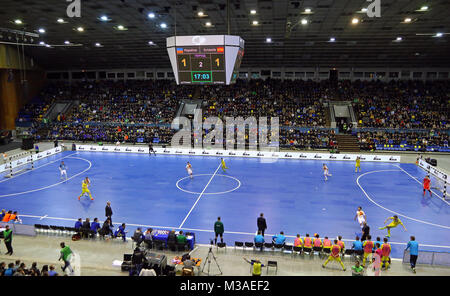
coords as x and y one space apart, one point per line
108 212
150 149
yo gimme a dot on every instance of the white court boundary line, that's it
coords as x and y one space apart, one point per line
191 192
210 231
201 194
386 209
415 179
59 159
53 185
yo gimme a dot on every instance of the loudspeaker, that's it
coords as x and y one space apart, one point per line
27 144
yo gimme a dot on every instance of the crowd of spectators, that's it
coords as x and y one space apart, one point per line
369 140
19 268
141 110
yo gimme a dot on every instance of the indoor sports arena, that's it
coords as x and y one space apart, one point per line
225 138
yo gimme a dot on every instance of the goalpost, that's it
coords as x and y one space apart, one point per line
15 167
438 177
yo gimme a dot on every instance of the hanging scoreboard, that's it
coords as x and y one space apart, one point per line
210 59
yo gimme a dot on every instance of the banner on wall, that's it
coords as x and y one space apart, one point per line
241 153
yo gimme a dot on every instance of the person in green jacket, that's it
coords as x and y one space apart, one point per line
218 229
66 253
7 236
181 238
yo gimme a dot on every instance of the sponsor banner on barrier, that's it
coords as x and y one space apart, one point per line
433 170
28 159
241 153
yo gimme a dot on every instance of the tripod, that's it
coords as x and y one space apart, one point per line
208 260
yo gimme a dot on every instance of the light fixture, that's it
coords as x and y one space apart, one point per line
363 9
407 20
66 42
41 30
304 21
42 43
307 10
98 44
47 45
120 27
200 13
255 23
104 18
268 40
208 24
398 39
151 15
332 39
163 25
252 11
424 8
60 20
355 20
151 43
18 22
438 35
80 29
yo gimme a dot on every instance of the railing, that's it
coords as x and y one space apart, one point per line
430 258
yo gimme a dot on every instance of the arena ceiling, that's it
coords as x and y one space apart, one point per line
372 42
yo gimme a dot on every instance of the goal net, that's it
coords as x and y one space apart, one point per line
15 167
440 185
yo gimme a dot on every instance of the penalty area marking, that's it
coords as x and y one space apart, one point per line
415 179
386 209
14 176
191 192
53 185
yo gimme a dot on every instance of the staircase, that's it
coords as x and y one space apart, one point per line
347 143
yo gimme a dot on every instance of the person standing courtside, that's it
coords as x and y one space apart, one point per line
413 247
218 230
7 237
261 222
108 212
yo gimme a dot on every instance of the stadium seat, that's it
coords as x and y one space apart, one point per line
268 247
238 244
221 246
288 249
272 264
259 247
248 245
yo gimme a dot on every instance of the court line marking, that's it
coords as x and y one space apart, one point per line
415 179
53 185
386 209
211 231
201 194
1 181
191 192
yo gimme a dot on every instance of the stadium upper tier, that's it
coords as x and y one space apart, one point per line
107 110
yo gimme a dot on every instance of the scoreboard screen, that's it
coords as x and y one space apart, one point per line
201 64
210 59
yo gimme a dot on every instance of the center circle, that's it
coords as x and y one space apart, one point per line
222 192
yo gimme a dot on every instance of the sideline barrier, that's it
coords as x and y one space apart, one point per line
19 229
25 160
430 258
241 153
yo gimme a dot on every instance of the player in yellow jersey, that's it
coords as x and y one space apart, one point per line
224 166
85 188
395 222
358 164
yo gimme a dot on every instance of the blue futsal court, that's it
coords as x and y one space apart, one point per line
155 191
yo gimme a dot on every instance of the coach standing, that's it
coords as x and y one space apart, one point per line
108 212
261 222
413 247
7 236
